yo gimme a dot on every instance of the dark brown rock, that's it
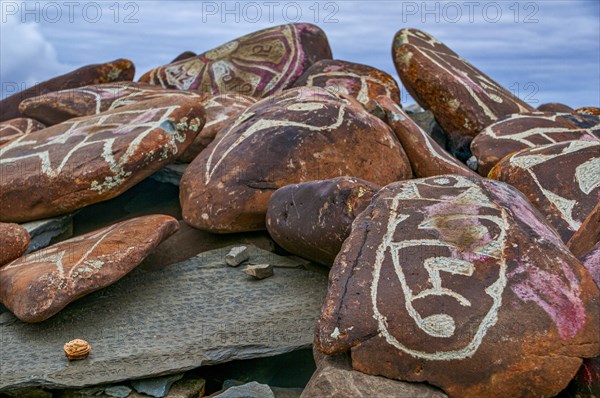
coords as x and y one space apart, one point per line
184 55
520 131
220 110
59 106
259 64
39 285
360 81
313 219
14 241
15 128
436 285
94 158
562 180
554 107
118 70
426 157
301 135
463 99
587 235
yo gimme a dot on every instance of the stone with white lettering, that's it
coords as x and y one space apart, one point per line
15 128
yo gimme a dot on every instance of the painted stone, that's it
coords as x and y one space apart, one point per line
259 64
587 110
519 131
184 55
356 80
91 159
118 70
562 180
587 235
39 285
59 106
303 134
220 109
426 157
15 128
312 219
554 107
463 99
591 262
435 285
14 241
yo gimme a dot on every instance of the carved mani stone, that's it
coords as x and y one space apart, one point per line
259 64
118 70
15 128
93 158
462 284
303 134
312 219
562 180
362 82
58 106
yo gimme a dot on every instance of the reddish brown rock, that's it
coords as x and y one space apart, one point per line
587 110
59 106
15 128
591 262
463 99
435 285
259 64
562 180
554 107
39 285
303 134
313 219
356 80
93 158
587 235
14 241
519 131
118 70
426 157
220 109
184 55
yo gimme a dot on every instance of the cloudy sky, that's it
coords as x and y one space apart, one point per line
543 51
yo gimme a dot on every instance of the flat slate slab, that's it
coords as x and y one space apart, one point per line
156 322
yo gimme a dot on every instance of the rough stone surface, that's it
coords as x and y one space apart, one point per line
15 128
248 390
554 107
59 106
259 64
335 378
118 70
156 387
159 322
463 99
312 219
237 255
520 131
426 157
587 235
220 109
360 81
39 285
94 158
187 388
428 124
453 297
304 134
42 232
591 262
562 180
14 241
259 271
587 110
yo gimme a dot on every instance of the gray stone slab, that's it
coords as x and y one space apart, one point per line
157 322
170 174
42 231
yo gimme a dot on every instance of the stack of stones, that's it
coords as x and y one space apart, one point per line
470 263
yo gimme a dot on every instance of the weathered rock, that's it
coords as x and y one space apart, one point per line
313 219
554 107
586 383
259 271
360 81
453 297
587 110
428 124
587 235
520 131
187 388
15 128
426 157
237 255
156 387
220 109
39 285
152 323
591 262
184 55
248 390
94 158
463 99
335 378
59 106
117 391
301 135
118 70
259 64
562 180
44 232
14 241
